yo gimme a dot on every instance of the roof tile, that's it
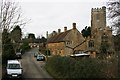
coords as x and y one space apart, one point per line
58 38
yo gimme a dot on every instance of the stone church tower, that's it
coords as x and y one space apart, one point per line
98 18
100 33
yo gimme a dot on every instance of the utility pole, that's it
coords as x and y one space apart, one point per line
47 44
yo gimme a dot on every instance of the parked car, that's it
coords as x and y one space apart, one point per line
18 55
80 55
14 69
40 57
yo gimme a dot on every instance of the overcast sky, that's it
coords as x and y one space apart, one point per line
50 15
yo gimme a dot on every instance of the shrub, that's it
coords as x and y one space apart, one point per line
25 47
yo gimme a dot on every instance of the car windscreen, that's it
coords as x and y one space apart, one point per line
14 66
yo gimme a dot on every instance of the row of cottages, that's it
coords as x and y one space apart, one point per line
64 43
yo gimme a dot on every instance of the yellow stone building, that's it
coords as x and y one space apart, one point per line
62 43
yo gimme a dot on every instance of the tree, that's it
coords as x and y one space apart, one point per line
114 15
24 47
7 47
116 39
10 15
43 39
16 34
86 32
31 36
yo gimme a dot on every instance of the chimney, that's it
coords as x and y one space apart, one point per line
54 33
47 34
65 29
74 25
59 31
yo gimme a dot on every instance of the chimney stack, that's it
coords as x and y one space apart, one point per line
54 33
74 25
47 34
59 31
65 29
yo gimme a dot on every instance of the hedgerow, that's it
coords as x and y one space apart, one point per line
67 67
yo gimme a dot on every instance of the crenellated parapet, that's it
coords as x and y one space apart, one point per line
103 9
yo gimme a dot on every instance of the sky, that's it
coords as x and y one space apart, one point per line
51 15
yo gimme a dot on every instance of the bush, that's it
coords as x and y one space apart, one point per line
25 47
67 67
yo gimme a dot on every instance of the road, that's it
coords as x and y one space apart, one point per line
33 69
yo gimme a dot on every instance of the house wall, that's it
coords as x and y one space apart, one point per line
73 39
56 48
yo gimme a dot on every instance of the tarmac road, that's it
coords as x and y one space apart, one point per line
33 69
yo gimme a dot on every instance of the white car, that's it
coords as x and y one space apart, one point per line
14 69
40 57
80 55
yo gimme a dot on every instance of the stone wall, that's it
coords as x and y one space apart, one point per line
56 48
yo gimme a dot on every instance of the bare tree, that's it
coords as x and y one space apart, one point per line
114 15
10 15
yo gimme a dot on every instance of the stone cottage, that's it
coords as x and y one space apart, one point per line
64 43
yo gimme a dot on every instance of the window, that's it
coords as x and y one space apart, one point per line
91 43
68 42
14 66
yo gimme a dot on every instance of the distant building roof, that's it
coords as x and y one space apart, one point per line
58 37
33 40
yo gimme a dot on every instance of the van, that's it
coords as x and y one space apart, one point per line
14 69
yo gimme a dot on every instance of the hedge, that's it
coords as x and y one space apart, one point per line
67 67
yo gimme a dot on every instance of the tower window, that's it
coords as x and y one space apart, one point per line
91 43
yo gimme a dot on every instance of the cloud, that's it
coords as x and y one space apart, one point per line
49 16
62 0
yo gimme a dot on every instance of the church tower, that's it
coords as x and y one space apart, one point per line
101 34
98 18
